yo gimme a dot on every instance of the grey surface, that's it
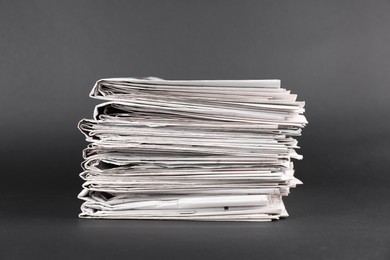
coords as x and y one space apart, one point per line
334 54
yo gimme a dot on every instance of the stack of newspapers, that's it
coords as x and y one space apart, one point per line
217 150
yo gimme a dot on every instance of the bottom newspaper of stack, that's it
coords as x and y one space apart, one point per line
146 163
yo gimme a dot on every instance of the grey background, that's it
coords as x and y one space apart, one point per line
334 54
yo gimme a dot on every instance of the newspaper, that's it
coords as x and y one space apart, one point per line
216 150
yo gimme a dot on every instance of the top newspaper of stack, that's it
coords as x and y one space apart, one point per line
157 137
260 102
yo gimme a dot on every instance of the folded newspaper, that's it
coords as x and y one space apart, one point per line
215 150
